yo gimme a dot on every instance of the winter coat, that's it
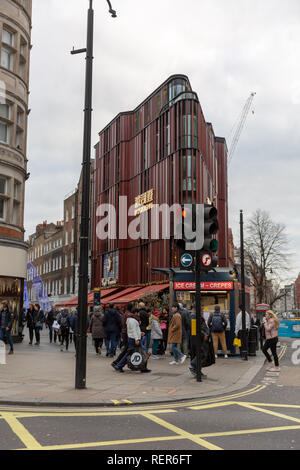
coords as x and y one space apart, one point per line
51 316
144 317
175 329
9 319
112 322
185 317
271 330
34 316
156 332
133 328
96 325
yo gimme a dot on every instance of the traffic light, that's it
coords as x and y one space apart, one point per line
185 226
211 227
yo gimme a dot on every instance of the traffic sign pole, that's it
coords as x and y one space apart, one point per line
198 314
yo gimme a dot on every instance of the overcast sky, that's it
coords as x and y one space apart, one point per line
228 49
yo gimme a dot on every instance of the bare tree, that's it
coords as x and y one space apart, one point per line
265 252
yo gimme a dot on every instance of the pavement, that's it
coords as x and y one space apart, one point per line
44 376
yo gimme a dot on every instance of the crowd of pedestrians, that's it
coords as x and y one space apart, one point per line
148 331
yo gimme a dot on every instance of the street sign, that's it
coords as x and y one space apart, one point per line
206 260
186 260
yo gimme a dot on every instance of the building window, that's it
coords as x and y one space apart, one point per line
4 134
67 238
16 213
66 261
7 58
3 200
8 37
67 216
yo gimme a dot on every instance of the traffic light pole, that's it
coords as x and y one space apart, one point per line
244 338
198 314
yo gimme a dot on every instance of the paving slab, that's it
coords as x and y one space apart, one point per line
43 375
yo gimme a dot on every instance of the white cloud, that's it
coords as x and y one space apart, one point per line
228 49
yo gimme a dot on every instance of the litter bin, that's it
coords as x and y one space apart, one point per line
252 341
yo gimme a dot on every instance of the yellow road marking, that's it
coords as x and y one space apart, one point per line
109 443
248 431
212 405
269 412
36 410
183 434
23 434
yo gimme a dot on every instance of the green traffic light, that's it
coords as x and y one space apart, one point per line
214 245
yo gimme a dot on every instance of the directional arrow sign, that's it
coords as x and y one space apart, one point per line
186 260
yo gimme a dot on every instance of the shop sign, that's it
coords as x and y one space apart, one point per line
213 285
144 202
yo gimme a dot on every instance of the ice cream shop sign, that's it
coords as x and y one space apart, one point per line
211 285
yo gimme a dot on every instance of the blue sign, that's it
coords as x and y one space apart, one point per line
186 260
289 329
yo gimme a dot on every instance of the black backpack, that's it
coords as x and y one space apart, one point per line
217 323
64 323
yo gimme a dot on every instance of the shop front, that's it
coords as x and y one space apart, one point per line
12 275
217 288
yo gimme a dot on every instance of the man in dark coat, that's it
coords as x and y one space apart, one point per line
206 354
6 321
112 323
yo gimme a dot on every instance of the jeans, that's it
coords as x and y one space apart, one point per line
271 344
145 341
131 345
50 333
111 343
3 333
177 354
155 346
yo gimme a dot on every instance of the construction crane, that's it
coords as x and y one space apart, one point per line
241 123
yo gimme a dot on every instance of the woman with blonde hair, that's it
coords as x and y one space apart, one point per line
271 324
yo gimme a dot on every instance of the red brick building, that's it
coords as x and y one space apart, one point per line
163 152
297 292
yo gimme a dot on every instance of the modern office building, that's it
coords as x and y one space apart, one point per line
15 45
162 152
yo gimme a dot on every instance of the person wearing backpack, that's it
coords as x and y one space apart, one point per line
64 322
217 324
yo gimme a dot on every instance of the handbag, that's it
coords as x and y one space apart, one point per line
39 325
56 325
237 342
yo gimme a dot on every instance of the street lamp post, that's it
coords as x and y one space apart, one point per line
80 378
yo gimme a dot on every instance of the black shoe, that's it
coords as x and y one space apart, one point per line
143 371
114 365
119 369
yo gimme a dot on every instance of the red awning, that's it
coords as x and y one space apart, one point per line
140 293
74 302
113 298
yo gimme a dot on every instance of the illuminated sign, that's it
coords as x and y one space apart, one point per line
144 202
214 285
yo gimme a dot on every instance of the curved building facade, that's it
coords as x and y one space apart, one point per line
162 152
15 46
